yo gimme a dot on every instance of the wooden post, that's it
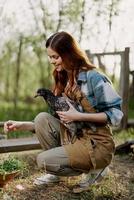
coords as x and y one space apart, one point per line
90 55
124 85
132 85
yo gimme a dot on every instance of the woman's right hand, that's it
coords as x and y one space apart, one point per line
12 126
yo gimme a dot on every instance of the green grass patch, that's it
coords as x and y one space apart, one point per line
24 112
124 135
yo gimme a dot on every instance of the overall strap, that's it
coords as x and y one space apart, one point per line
81 98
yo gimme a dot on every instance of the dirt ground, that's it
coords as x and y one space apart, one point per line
118 185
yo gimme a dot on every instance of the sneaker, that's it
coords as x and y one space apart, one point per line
46 179
94 176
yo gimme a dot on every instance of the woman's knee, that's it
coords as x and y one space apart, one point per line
40 161
46 161
41 118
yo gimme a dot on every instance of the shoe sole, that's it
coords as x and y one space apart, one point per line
37 182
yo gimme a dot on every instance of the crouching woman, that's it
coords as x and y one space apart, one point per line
100 104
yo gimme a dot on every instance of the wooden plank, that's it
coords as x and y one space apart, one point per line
105 53
130 123
20 144
125 148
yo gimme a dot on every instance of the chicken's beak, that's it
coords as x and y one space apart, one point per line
36 95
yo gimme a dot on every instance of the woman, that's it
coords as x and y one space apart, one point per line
76 78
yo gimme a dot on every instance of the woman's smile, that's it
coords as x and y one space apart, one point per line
58 68
55 59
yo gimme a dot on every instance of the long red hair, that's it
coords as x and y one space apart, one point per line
74 59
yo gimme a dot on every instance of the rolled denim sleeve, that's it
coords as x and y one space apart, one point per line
106 98
114 116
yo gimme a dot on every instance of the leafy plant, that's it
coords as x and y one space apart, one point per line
11 165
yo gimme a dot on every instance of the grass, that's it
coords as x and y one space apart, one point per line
22 112
124 135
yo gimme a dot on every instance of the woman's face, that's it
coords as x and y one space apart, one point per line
55 59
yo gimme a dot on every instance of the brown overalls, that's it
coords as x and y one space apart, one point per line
95 149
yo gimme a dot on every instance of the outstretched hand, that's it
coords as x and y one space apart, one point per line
11 126
70 115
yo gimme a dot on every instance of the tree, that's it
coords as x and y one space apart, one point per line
17 73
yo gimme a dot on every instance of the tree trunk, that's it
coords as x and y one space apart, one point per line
17 74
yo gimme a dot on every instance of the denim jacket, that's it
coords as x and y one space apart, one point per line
101 94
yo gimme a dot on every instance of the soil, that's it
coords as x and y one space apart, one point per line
118 185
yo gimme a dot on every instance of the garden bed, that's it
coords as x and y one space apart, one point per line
118 185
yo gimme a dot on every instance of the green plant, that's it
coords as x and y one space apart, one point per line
11 165
124 135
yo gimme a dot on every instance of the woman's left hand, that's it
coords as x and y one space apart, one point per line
70 115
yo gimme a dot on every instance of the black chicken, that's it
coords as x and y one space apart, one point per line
59 103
